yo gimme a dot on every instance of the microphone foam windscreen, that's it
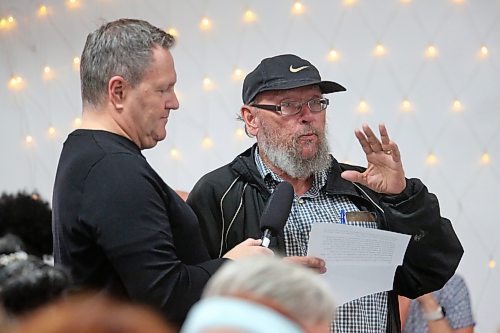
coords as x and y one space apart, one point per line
277 208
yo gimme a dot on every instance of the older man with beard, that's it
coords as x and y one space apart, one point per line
285 110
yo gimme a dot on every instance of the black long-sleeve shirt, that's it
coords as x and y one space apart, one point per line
118 226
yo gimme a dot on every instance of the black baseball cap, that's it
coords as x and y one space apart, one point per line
282 72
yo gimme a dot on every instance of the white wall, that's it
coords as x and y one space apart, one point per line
467 187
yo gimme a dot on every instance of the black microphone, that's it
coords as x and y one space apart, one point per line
276 212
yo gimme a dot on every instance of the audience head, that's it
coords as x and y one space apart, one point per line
271 289
93 313
27 282
28 217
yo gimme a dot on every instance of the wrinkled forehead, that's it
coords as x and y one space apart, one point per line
296 93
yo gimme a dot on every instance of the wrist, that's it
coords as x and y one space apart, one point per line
433 315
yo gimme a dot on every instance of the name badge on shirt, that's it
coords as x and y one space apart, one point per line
360 217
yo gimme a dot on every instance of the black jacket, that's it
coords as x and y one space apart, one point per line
229 201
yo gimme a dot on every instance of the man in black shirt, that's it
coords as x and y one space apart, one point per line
117 225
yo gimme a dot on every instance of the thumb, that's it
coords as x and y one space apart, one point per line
252 242
353 176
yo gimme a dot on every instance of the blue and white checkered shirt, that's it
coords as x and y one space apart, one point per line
367 314
454 298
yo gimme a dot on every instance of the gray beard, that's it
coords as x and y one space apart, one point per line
284 152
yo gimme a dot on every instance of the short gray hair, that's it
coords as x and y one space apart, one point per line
123 47
300 292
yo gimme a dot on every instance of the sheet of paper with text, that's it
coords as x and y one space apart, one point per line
359 261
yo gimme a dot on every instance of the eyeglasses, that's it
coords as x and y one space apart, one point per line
291 108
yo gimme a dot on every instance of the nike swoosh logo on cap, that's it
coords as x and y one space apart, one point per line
298 69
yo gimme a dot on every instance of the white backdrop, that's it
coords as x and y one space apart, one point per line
441 104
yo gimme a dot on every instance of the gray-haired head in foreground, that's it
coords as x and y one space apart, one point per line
299 291
123 47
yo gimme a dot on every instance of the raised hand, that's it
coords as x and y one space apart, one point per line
384 173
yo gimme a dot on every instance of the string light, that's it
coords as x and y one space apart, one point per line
492 263
7 23
349 2
363 106
51 131
208 84
456 106
16 83
379 50
485 158
483 52
431 51
238 74
405 1
28 139
48 74
77 122
249 16
175 154
333 55
239 133
207 142
431 159
76 63
42 11
205 24
406 105
298 8
73 4
35 196
173 32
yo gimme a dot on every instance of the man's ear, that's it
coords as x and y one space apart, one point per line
116 91
249 116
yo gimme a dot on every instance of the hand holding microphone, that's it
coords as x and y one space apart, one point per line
275 214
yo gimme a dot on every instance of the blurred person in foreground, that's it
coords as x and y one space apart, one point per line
284 108
260 295
26 282
117 225
93 313
447 310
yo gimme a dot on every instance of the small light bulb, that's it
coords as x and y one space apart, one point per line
379 50
28 139
42 10
249 16
297 8
485 158
431 159
46 69
207 142
349 2
239 133
208 84
406 105
76 60
431 51
51 131
77 122
238 74
483 52
173 32
205 24
363 106
10 19
333 55
35 196
492 263
457 106
175 154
